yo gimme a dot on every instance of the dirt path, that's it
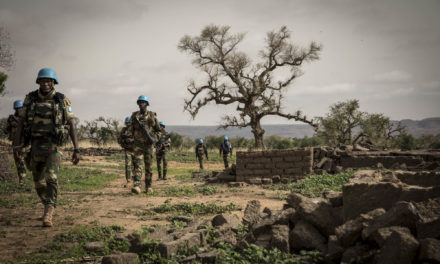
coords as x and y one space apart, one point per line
21 231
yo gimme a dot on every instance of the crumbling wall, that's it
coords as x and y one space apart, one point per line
273 165
331 160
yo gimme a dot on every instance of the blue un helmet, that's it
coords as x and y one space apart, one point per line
225 138
18 104
47 73
127 119
200 141
161 123
144 98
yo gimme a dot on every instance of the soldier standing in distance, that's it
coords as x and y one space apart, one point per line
11 131
46 121
200 150
162 148
225 149
145 129
125 139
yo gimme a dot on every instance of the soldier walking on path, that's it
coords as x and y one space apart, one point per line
225 149
46 122
125 140
162 147
145 129
11 131
200 151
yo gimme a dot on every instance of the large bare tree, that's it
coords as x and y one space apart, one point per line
230 77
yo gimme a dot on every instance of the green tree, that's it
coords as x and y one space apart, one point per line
100 131
337 127
345 124
176 140
213 142
6 58
308 141
230 78
3 123
241 142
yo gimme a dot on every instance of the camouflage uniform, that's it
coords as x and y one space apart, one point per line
200 150
141 146
11 130
225 149
161 154
125 133
45 128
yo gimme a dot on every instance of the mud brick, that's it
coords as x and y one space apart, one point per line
307 158
244 172
306 170
262 172
293 171
277 159
283 165
254 166
262 160
269 165
277 171
291 158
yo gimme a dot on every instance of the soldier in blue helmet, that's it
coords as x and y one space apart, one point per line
225 149
200 151
46 122
145 129
162 147
125 140
11 130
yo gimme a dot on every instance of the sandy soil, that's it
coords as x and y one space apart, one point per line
21 231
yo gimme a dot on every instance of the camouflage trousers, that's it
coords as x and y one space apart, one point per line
161 157
19 163
127 166
225 160
45 174
200 158
147 153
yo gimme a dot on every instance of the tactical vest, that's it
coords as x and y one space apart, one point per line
145 122
226 147
200 150
45 119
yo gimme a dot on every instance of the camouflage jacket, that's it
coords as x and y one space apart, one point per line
149 122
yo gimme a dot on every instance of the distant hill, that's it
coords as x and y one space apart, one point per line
414 127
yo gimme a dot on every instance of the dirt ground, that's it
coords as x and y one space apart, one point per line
21 231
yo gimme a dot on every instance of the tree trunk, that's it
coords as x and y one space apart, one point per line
258 132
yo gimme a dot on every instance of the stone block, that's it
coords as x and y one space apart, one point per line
400 248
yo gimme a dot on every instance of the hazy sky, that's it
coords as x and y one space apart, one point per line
108 52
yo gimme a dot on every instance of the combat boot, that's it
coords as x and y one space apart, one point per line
159 177
164 176
136 190
148 186
47 217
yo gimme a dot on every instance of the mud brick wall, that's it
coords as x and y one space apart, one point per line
257 166
5 167
372 161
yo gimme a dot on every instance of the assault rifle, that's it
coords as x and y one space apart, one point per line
147 135
159 144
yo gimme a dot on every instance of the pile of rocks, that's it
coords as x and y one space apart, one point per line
379 217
